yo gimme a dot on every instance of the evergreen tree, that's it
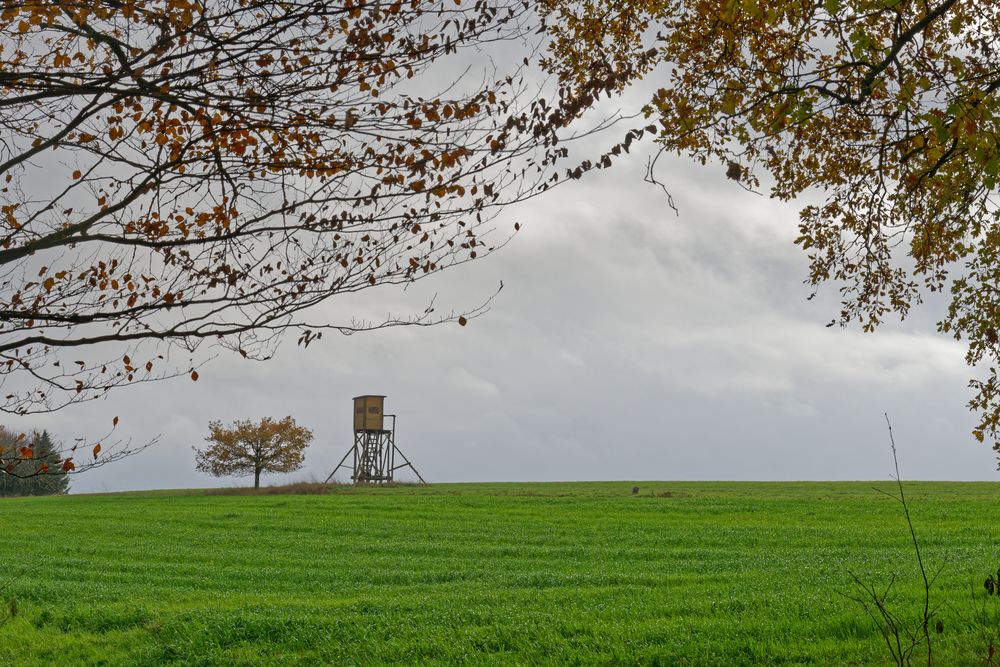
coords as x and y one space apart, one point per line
27 478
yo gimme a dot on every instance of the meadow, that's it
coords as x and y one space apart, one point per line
555 573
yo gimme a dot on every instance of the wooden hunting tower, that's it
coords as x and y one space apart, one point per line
368 413
374 452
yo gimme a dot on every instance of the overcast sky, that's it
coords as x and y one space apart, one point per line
628 343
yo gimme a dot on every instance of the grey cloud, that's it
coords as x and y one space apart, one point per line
627 343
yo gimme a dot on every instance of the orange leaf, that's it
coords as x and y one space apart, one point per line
77 174
68 465
114 422
462 321
194 375
27 452
97 447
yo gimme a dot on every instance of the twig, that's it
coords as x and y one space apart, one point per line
916 548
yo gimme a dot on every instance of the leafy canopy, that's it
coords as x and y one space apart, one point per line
887 109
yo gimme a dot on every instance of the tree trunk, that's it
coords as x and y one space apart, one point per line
256 478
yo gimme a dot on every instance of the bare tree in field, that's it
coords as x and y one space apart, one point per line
250 448
176 172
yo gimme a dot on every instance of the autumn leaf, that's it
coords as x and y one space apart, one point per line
462 321
97 449
194 375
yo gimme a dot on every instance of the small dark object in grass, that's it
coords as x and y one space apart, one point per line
635 490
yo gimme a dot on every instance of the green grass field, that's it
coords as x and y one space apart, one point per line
560 573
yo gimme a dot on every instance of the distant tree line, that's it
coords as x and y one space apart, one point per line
39 474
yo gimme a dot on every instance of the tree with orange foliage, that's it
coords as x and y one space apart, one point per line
175 172
250 448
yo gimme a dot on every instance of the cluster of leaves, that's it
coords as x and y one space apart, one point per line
886 109
179 171
32 466
250 448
